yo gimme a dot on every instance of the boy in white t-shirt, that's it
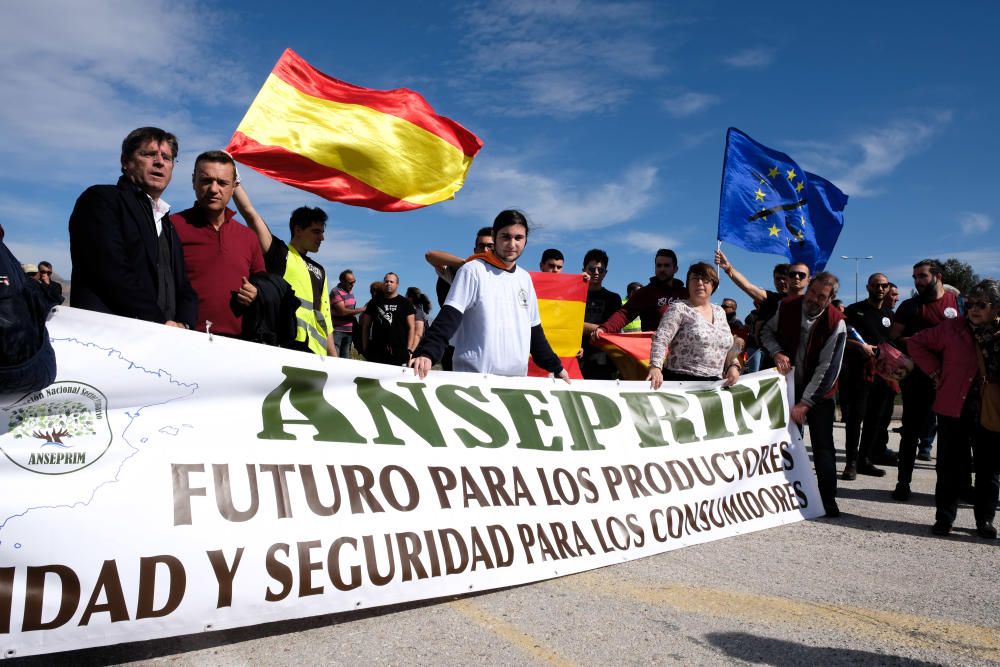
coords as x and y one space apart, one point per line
491 313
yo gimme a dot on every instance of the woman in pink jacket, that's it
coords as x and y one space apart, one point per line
950 354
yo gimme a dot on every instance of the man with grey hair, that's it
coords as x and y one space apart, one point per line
127 259
808 334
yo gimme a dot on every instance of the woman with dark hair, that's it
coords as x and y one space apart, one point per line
697 335
962 356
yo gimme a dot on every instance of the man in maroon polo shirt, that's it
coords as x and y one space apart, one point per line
220 254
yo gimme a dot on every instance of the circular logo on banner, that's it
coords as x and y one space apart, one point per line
60 429
950 313
886 322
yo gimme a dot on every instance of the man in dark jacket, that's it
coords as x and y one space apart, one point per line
127 259
651 301
809 334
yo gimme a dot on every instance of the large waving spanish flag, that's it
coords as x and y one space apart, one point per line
562 302
382 149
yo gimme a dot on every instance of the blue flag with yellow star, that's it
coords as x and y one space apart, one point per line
768 204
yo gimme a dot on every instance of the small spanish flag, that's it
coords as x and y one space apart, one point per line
629 351
562 301
381 149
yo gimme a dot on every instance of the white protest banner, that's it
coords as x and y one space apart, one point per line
168 483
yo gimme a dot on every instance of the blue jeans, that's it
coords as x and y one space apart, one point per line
342 341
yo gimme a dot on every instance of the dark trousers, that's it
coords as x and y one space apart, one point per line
960 438
918 399
820 421
866 406
854 393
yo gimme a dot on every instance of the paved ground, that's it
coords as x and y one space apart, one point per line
873 587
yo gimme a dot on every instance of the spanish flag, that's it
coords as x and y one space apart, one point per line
562 301
629 351
381 149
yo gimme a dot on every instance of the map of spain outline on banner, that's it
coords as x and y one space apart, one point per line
382 149
163 486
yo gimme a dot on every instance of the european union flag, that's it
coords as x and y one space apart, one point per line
768 204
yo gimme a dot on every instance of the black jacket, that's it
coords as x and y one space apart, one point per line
112 241
270 319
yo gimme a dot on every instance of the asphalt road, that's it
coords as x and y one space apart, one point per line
872 587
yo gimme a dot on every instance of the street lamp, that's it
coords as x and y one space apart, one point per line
857 269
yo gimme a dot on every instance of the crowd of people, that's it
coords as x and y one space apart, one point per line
201 269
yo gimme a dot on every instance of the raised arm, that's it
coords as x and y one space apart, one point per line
254 221
442 259
753 291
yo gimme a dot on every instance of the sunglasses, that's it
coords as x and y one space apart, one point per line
596 270
981 305
483 246
798 274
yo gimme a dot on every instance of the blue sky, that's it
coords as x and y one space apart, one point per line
605 122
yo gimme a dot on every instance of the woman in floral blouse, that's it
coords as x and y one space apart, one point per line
697 335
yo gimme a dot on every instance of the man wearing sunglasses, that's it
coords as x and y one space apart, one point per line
602 303
52 289
865 392
932 305
765 301
650 301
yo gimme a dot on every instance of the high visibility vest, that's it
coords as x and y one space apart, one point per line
312 320
634 325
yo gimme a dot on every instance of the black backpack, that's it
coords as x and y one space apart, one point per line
27 360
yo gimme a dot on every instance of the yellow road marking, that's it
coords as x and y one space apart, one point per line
902 629
510 633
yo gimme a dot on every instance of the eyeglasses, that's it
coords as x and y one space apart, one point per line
881 285
801 275
483 246
596 270
45 273
695 278
981 305
350 282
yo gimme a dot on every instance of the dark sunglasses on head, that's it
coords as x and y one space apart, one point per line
798 274
981 305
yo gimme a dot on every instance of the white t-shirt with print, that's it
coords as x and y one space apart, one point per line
498 310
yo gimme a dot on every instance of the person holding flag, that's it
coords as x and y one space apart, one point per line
491 313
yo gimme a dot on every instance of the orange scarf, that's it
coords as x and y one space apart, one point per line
492 259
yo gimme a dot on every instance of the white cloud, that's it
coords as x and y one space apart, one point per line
974 223
78 76
750 58
856 164
561 58
649 241
555 204
689 103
